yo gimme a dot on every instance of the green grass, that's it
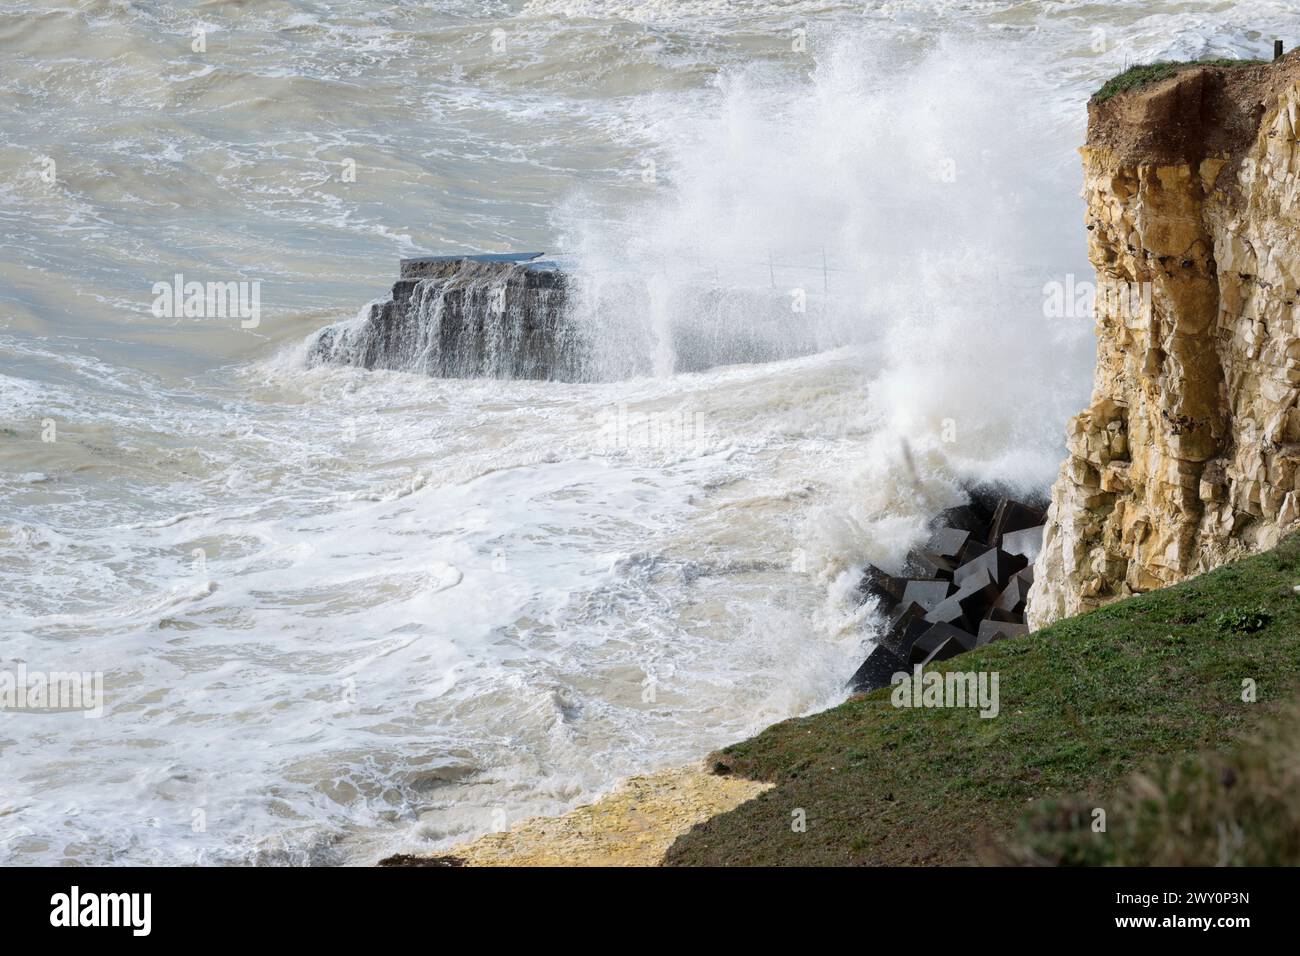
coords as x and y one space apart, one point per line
1084 704
1145 73
1240 808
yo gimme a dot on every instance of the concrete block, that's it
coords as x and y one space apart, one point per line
968 605
1026 543
1013 596
998 564
1012 515
928 594
940 642
878 670
924 564
876 583
991 631
947 542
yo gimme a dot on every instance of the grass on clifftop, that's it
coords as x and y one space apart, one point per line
1083 705
1144 73
1240 808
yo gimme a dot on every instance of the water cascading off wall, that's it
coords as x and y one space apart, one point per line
518 316
471 317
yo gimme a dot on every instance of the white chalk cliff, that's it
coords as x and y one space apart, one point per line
1187 455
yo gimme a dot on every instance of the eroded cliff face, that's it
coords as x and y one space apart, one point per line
1187 455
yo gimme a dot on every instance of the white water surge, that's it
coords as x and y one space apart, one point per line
343 613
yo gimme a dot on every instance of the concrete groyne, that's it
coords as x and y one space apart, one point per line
480 316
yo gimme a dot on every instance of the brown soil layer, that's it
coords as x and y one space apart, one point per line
1200 111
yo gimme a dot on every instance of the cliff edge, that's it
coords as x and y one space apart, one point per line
1187 454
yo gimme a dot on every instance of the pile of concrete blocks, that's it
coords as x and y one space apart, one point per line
965 588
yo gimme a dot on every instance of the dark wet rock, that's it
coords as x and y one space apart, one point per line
408 859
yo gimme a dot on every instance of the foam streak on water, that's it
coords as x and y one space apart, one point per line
341 613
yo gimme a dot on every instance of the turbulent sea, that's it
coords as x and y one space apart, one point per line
341 613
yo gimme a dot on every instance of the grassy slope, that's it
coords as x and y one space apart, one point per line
1144 73
1238 808
1084 703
